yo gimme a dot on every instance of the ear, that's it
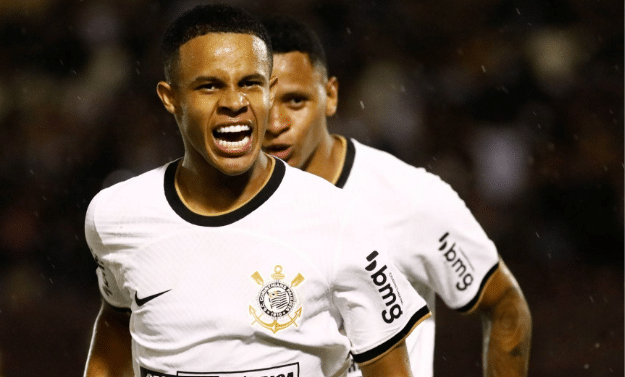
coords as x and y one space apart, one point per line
332 93
273 81
166 93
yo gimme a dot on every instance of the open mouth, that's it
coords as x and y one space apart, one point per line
233 137
282 151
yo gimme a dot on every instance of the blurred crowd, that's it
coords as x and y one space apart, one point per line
517 104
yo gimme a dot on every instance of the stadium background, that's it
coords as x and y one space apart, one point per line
517 104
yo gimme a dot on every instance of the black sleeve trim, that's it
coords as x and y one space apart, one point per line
350 155
384 347
475 299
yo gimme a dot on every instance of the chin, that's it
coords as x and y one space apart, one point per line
238 167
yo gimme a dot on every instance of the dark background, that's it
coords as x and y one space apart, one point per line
517 104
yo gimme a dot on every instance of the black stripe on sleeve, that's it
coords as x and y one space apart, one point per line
350 154
472 303
384 347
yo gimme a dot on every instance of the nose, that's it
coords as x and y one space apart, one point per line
278 122
233 102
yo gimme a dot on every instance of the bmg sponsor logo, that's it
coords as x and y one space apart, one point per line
388 293
457 261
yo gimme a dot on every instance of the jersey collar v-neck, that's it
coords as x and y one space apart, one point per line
228 218
350 154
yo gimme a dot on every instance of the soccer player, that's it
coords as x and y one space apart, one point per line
436 242
230 262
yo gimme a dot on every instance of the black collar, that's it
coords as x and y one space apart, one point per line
350 154
226 219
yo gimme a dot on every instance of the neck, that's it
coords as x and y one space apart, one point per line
207 191
327 160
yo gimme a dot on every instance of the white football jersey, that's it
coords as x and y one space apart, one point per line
259 291
434 239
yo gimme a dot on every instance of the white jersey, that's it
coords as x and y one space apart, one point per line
259 291
434 239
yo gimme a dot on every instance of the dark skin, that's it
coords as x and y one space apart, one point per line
297 129
395 363
506 326
110 353
218 85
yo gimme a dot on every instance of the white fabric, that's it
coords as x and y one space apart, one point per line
435 240
207 318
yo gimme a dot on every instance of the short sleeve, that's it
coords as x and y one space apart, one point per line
378 305
458 258
107 281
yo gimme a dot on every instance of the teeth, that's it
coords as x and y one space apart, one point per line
231 129
234 144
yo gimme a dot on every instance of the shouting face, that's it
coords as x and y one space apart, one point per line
220 94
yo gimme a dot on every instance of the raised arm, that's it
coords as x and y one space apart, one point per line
110 353
506 326
394 363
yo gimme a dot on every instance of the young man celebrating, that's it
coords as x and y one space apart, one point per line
228 265
435 241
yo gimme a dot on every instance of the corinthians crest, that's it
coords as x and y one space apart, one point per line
276 301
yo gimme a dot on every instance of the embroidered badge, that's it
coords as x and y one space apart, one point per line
276 301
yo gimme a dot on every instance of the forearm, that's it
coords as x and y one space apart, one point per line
110 353
507 331
394 364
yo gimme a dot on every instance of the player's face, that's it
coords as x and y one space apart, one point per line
304 98
221 98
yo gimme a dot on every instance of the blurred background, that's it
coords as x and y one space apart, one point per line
517 104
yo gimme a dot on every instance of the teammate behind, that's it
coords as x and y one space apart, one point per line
436 242
228 265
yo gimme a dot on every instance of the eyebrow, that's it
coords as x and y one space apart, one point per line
205 78
254 76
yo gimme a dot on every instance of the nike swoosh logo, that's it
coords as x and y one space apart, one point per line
142 301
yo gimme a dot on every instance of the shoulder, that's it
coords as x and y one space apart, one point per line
131 192
124 202
317 199
388 175
309 186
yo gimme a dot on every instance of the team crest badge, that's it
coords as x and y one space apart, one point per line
276 306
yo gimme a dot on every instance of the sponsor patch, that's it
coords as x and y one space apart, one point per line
388 289
458 262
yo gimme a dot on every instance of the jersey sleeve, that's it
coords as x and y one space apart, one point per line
378 306
458 257
109 288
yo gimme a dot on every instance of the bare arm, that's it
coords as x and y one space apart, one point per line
110 353
393 364
506 326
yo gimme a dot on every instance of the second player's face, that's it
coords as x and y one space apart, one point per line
297 121
222 99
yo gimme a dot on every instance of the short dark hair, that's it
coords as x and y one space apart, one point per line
288 35
204 19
